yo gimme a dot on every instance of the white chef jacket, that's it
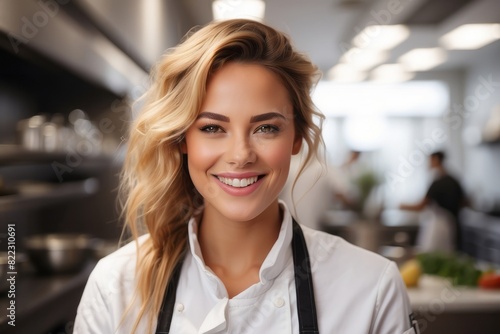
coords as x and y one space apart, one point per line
356 291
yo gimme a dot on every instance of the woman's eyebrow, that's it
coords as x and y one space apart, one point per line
266 117
253 119
212 115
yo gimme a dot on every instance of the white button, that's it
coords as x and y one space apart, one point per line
180 307
279 302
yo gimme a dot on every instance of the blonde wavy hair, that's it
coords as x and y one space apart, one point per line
158 195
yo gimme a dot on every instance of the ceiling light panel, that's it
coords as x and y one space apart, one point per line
345 73
423 59
364 59
391 73
381 37
471 36
238 9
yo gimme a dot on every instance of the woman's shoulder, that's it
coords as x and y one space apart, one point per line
120 262
367 285
108 291
332 252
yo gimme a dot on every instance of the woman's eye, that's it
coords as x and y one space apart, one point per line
267 129
211 128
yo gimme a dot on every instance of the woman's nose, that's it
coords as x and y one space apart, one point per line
240 152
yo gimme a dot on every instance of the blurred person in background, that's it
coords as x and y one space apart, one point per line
446 195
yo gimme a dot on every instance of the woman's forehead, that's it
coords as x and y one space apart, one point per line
244 85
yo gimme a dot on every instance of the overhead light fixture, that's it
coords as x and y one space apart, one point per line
381 37
391 73
423 59
364 59
471 36
345 73
418 98
232 9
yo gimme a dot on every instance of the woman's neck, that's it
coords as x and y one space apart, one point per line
235 250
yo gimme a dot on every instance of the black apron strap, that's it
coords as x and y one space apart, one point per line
167 307
306 306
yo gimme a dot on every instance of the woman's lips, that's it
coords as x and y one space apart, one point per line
239 186
238 182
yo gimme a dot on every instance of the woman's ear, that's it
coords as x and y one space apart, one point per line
297 144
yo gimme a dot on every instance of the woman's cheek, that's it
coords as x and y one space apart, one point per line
205 151
200 159
278 152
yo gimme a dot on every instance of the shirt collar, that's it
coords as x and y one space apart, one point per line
276 259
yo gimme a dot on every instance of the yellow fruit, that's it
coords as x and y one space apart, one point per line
411 272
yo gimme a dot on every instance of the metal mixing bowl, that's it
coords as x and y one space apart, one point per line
101 247
58 253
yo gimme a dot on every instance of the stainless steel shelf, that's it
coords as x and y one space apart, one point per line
34 195
17 155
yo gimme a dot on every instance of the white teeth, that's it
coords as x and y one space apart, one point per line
238 183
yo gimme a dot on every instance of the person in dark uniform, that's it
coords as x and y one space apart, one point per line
446 192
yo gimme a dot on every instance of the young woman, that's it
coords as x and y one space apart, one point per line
215 251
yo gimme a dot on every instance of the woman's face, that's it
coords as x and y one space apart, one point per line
240 146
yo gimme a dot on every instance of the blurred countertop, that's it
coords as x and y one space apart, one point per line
437 295
388 218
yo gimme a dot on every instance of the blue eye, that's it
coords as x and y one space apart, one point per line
267 128
211 128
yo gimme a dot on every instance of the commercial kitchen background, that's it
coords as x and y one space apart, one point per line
70 72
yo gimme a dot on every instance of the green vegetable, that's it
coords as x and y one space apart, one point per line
461 270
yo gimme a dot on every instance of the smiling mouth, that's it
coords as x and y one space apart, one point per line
239 183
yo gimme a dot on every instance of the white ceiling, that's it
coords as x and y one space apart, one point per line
324 28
